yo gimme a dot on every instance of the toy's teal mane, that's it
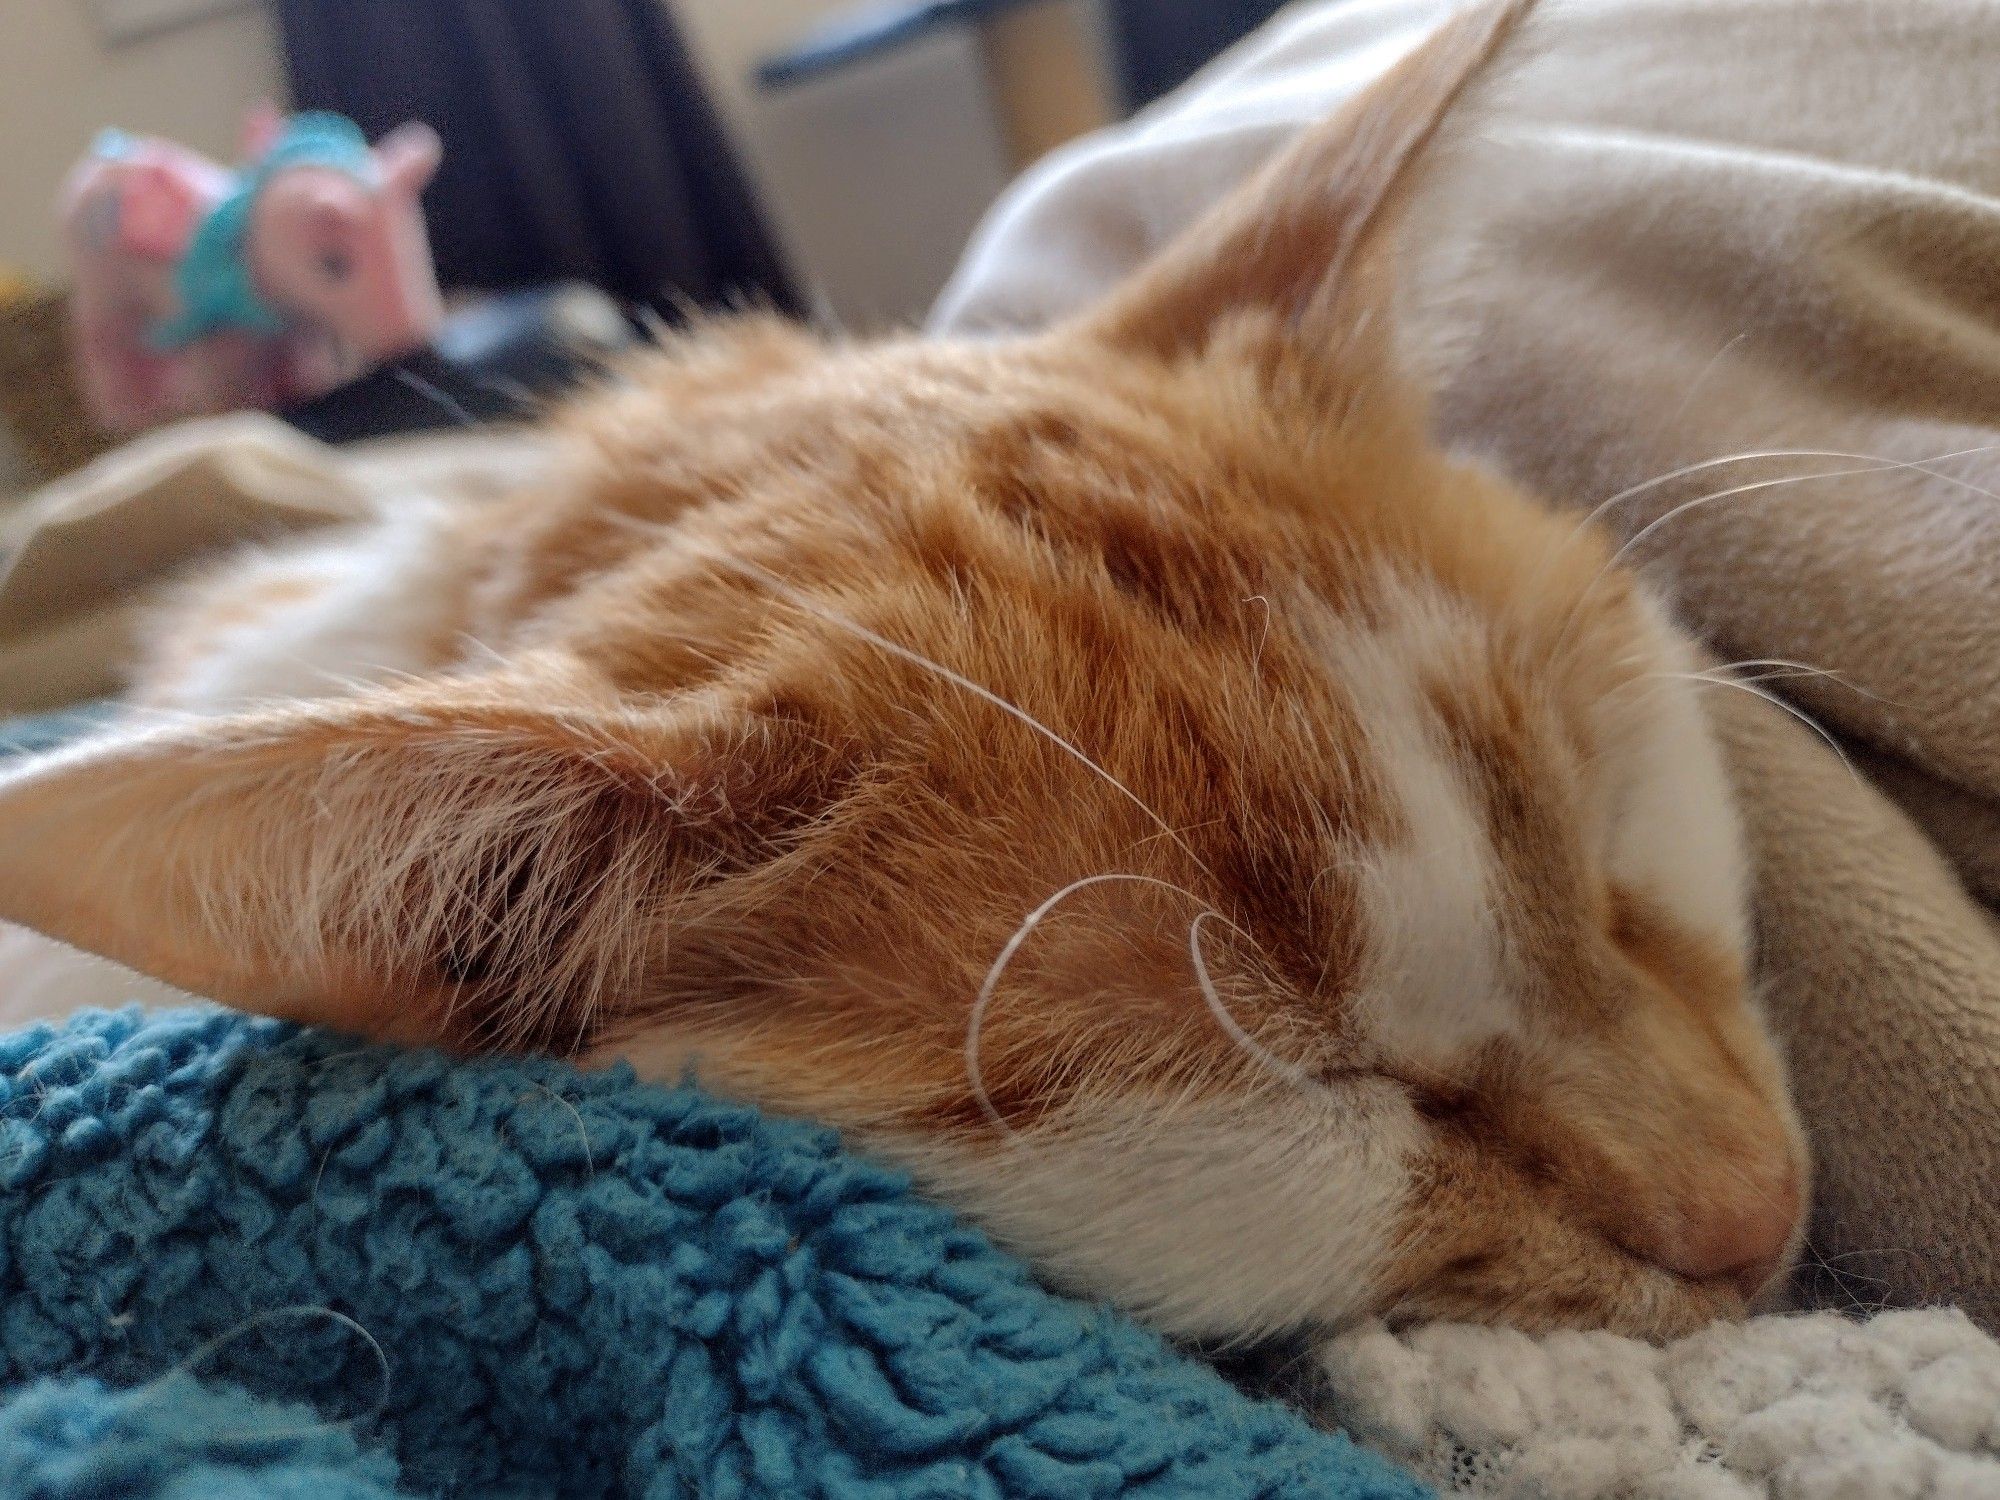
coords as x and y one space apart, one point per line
217 292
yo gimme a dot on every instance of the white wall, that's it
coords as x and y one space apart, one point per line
875 174
731 36
878 171
60 84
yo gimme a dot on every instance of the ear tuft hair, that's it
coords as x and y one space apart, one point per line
1298 237
468 872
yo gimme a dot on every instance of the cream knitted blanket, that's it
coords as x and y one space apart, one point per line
1905 1406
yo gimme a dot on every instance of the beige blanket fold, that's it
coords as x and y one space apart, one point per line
81 558
1664 234
78 558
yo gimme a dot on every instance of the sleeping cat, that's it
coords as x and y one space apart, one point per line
1263 869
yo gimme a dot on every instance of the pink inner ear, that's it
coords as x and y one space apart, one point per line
157 210
330 222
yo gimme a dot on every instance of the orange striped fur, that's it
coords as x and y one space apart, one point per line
1389 956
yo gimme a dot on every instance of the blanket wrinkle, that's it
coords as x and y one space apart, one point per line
1793 1408
559 1284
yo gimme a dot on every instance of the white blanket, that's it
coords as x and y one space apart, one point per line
1904 1406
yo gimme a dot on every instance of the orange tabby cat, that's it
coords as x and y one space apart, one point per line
1263 869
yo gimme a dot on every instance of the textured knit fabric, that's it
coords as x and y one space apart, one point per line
514 1279
1903 1406
176 1439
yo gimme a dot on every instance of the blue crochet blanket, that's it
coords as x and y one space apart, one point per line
239 1259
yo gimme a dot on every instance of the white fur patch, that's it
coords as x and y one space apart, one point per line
374 599
1210 1219
1676 836
1434 985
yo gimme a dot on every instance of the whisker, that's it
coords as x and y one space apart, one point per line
985 694
1916 1252
1298 1077
1783 670
983 1001
1777 702
1290 1071
1790 667
1868 463
1776 669
1701 378
1875 463
1733 491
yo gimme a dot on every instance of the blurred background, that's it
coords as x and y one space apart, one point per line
822 156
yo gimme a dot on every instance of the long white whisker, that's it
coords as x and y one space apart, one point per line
1870 465
1780 668
1875 463
985 694
983 1001
1700 501
1701 378
1776 702
1290 1071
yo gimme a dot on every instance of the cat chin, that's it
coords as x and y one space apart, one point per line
1226 1221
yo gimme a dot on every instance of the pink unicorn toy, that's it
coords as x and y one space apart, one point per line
200 289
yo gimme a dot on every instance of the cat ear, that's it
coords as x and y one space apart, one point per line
1308 235
459 869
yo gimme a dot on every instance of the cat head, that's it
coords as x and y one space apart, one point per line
1264 869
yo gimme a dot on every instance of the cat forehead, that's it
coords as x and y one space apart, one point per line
753 393
1349 655
991 507
1529 816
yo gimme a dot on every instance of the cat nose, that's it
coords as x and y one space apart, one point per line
1738 1234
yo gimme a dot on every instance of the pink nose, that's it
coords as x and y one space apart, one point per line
1737 1234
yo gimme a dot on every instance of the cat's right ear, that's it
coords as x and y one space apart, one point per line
1309 236
447 864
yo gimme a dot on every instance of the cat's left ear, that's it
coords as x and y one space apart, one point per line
461 866
1309 235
